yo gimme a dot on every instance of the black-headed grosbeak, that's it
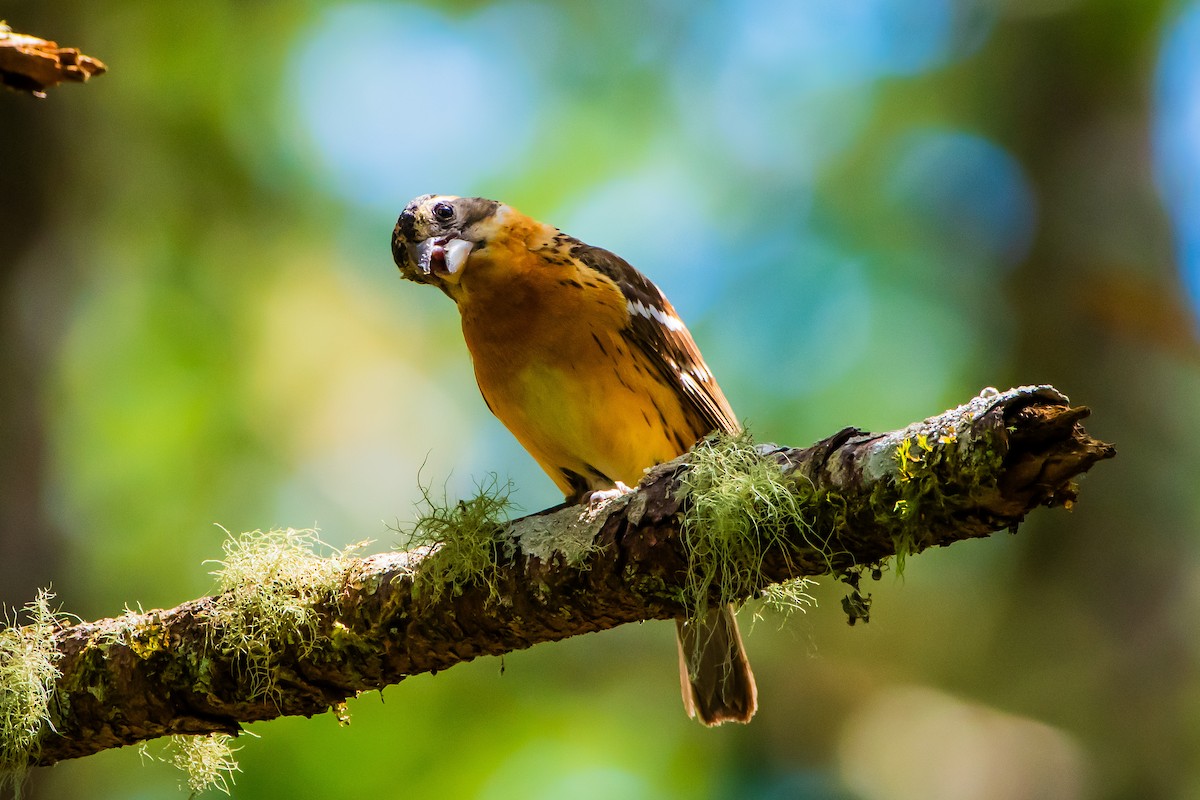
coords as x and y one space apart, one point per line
587 364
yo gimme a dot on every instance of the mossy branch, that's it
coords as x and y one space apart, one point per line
358 624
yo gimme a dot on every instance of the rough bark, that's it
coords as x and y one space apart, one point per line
30 64
966 473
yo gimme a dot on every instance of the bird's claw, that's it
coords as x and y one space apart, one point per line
598 497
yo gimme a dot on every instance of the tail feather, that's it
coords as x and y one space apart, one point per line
714 672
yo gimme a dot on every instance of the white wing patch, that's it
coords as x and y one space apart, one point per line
668 321
690 378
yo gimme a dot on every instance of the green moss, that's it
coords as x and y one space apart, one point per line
935 474
464 541
271 584
28 672
147 638
740 505
207 762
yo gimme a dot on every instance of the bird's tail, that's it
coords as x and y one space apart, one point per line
718 685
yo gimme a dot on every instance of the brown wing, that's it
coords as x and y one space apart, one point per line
656 330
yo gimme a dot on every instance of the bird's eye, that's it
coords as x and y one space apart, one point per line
444 212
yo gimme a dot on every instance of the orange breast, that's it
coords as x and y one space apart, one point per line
552 364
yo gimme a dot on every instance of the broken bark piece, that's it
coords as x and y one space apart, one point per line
29 64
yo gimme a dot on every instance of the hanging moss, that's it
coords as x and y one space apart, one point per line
740 506
28 673
207 762
788 597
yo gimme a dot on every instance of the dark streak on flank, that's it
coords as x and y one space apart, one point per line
662 418
599 343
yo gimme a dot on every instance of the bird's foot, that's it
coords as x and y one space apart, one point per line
598 497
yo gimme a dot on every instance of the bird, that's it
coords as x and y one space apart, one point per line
588 365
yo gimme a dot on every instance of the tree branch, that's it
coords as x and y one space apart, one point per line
968 472
30 64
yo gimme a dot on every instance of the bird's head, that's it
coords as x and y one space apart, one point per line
436 234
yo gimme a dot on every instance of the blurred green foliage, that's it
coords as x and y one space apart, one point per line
866 211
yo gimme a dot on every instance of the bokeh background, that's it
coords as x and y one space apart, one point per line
866 210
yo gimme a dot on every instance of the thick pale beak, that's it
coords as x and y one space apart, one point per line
441 255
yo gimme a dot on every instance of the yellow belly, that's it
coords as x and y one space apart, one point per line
585 409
